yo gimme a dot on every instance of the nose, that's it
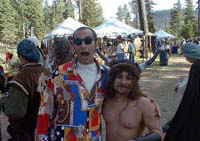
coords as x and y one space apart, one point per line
83 43
84 47
123 81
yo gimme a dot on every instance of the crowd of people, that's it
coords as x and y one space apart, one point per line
63 93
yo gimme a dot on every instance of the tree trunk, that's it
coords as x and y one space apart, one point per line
143 16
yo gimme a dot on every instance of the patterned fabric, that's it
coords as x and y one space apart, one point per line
78 111
46 109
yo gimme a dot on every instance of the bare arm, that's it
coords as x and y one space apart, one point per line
151 115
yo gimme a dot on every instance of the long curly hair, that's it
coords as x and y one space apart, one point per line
131 69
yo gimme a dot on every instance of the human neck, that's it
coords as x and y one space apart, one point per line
80 65
79 62
86 62
120 97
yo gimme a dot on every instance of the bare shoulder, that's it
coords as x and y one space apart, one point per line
148 104
144 100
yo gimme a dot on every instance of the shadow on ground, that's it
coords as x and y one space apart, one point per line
159 82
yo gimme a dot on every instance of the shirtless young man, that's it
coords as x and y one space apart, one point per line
126 110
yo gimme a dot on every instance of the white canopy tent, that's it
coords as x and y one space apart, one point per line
70 23
62 31
162 35
67 27
113 27
131 30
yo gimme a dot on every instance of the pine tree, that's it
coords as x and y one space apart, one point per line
120 15
143 16
149 6
128 19
20 19
33 18
190 23
91 12
58 11
69 10
176 21
8 28
30 17
48 17
124 15
134 9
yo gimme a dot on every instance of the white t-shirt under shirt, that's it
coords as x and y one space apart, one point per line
88 73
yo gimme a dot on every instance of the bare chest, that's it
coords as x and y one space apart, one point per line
127 115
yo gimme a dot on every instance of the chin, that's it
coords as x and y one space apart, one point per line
86 62
123 92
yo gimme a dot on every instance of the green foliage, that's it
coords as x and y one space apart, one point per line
21 18
127 15
187 30
120 14
34 17
69 10
149 11
161 19
134 10
128 19
190 23
91 13
19 7
48 17
150 15
176 20
7 21
124 15
189 11
57 12
29 18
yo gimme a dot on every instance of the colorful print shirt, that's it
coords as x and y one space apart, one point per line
78 115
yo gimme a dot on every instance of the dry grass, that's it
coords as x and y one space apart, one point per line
159 82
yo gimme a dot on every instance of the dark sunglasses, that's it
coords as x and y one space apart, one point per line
87 41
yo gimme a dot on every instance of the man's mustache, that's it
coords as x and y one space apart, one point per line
124 86
85 53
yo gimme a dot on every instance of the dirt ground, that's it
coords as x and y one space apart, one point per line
159 83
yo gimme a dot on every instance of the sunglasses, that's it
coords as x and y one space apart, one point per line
87 41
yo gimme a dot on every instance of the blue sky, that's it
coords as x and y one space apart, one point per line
110 6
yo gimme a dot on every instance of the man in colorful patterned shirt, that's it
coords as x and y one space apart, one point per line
79 90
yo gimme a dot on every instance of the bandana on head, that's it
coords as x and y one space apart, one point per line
191 50
28 50
34 40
